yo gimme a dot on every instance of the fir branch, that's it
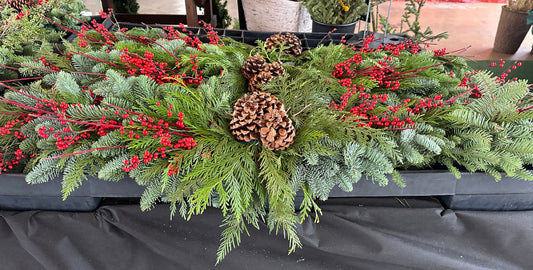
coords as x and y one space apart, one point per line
85 151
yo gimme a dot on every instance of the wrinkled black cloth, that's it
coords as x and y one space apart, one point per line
352 234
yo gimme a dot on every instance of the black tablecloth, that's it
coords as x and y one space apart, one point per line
352 234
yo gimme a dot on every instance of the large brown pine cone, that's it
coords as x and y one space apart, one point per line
261 78
275 69
277 131
253 66
285 40
247 114
20 4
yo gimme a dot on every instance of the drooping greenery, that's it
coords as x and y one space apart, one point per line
155 105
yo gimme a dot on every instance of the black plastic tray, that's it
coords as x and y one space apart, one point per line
309 40
474 191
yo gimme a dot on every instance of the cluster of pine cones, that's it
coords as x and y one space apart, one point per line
19 4
258 72
289 42
261 116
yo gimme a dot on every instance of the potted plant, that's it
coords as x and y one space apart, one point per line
126 6
512 27
341 15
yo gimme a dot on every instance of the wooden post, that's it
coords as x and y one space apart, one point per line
192 16
107 4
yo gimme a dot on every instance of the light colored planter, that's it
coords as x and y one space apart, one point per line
274 15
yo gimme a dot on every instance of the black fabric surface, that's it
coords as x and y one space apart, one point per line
352 234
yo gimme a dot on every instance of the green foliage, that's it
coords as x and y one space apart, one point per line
23 35
126 6
220 10
332 12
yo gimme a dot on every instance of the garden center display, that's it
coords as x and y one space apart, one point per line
244 128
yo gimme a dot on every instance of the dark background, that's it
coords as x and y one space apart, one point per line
353 233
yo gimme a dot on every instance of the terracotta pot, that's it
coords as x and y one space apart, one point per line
512 29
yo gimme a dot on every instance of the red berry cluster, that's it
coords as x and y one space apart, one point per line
395 49
131 164
393 122
64 137
366 44
426 104
351 90
212 35
9 164
97 99
502 78
105 15
48 64
145 65
6 129
475 92
21 14
159 130
173 169
190 39
84 39
197 76
348 68
383 73
362 112
104 32
440 52
65 142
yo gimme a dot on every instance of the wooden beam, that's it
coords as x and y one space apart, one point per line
107 4
192 16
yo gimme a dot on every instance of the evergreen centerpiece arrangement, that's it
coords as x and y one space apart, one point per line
243 128
340 15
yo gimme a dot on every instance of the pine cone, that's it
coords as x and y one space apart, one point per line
277 131
253 66
20 4
247 114
275 69
286 40
261 78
